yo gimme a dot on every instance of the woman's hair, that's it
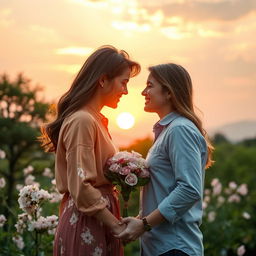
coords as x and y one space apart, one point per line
106 60
176 80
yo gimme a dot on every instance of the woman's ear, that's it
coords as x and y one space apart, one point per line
102 80
169 96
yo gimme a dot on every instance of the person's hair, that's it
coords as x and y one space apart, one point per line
176 80
106 60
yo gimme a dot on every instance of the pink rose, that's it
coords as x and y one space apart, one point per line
125 170
115 168
132 165
144 173
131 179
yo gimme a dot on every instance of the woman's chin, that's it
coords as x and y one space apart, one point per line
147 109
112 105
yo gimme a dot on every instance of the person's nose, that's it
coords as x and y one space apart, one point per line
125 90
144 92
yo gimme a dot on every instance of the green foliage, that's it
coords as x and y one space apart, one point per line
21 114
228 219
229 229
225 224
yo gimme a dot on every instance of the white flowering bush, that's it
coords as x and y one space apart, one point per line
31 197
228 219
30 201
32 221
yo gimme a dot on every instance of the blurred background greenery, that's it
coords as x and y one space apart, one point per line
229 219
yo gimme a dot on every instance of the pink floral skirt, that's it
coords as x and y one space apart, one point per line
80 235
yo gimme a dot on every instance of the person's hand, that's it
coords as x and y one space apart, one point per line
118 228
133 231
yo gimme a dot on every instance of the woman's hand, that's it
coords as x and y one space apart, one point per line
118 228
133 231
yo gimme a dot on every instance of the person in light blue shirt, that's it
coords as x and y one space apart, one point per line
172 201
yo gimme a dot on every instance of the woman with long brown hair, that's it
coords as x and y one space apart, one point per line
172 201
89 211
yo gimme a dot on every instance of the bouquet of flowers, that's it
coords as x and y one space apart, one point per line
128 170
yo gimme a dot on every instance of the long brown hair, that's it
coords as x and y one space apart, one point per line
176 80
106 60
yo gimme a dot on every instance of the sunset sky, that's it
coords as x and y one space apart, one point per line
215 40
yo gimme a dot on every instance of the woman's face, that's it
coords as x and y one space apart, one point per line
156 99
115 89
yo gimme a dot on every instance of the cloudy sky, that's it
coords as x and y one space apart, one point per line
215 40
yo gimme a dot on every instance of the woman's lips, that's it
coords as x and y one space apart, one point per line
147 100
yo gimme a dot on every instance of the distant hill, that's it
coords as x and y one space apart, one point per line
237 131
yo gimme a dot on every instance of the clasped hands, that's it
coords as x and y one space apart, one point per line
134 229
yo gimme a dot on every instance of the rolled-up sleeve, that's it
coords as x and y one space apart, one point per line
79 140
184 151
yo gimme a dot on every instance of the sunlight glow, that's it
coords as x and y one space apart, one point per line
174 33
88 3
130 26
81 51
158 18
72 69
125 120
5 17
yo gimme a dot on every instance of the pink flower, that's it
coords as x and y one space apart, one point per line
217 189
2 220
125 170
234 198
211 216
2 183
2 154
132 165
144 173
215 182
241 250
246 215
232 185
131 179
115 167
242 190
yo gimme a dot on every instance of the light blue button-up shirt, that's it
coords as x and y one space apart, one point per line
177 162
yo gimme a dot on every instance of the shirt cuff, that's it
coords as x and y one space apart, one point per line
167 211
93 209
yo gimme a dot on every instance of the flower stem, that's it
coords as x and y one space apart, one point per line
125 209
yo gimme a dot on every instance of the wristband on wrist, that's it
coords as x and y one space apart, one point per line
147 226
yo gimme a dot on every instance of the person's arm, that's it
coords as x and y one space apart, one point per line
79 139
135 226
184 147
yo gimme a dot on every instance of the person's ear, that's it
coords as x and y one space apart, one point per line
102 80
169 96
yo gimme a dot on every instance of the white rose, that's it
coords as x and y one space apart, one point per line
131 179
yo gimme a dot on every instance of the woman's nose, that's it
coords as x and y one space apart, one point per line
144 92
125 90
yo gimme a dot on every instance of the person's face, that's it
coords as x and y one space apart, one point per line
115 88
156 99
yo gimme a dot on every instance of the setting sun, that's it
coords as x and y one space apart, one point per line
125 120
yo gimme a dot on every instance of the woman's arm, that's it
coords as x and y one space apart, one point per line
135 227
79 139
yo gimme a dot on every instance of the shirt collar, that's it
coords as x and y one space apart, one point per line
167 119
164 122
99 116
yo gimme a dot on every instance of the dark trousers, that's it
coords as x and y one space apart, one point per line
174 253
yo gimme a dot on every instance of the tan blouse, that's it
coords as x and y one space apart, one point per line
84 146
